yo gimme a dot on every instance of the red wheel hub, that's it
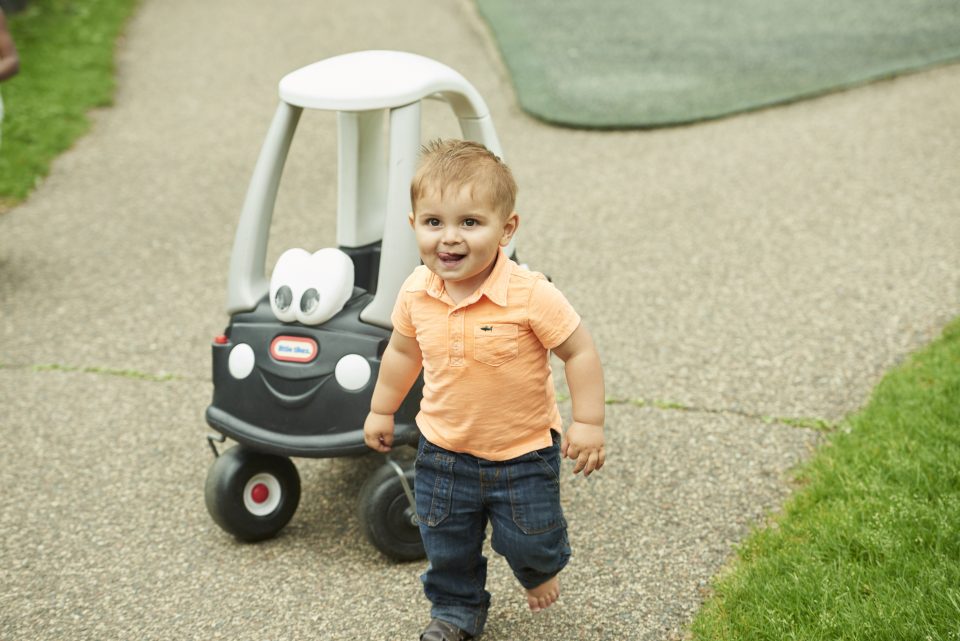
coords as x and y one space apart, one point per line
260 493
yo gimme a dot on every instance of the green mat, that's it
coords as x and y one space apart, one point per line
649 63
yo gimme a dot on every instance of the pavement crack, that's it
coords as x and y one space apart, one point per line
805 422
132 374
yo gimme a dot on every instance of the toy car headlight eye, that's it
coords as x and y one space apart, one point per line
286 283
309 301
327 285
283 298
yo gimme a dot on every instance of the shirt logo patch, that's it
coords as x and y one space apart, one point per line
487 328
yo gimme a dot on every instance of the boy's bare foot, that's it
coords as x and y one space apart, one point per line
544 595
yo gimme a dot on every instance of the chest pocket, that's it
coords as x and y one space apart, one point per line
495 343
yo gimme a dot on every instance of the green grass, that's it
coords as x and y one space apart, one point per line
66 52
869 548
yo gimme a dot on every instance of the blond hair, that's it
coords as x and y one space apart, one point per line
458 163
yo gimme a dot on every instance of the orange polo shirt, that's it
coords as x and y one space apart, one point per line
488 388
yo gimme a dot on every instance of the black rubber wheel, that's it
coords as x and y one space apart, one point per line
386 516
252 495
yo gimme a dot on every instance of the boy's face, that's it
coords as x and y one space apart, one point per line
459 236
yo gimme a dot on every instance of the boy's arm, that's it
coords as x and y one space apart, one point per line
399 368
584 440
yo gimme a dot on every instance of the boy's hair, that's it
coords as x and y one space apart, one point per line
457 163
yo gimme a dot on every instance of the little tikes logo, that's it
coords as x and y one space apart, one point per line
293 349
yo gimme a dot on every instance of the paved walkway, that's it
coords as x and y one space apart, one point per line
735 274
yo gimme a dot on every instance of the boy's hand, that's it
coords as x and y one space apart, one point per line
378 432
584 443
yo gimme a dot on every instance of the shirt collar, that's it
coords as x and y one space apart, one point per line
494 288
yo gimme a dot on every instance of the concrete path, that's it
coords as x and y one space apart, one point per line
736 275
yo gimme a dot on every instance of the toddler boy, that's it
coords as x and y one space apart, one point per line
482 328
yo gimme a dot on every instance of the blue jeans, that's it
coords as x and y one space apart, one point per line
457 495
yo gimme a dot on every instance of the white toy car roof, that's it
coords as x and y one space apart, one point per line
366 80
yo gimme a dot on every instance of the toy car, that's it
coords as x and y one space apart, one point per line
294 370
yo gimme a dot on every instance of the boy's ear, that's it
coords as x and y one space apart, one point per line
410 218
510 226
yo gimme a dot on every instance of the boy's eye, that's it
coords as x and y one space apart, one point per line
433 222
470 222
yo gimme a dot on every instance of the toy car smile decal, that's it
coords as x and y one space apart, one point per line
292 398
294 349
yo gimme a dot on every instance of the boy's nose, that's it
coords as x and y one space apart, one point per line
451 236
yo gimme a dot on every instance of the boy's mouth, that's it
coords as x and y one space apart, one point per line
449 259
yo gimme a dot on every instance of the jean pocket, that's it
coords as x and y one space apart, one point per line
434 484
535 495
495 343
